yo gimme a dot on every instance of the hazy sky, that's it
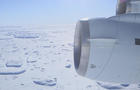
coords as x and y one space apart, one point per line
50 12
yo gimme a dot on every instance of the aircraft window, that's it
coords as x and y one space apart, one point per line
137 41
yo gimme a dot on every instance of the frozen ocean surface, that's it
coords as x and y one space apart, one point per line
41 58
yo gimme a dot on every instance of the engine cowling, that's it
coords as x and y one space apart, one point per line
108 49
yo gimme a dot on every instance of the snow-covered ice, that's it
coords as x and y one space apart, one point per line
125 85
68 66
12 72
13 64
33 57
25 35
108 86
41 58
46 82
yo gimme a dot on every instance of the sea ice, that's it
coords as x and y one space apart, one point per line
107 86
4 37
125 85
68 66
14 64
67 50
46 46
139 86
47 82
12 73
25 35
33 57
70 44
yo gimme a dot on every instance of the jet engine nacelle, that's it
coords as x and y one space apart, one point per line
128 6
108 49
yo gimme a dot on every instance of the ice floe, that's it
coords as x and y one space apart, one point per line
25 35
68 66
46 82
12 73
125 85
13 64
109 86
67 50
46 46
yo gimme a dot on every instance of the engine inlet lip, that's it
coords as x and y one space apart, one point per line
77 46
81 47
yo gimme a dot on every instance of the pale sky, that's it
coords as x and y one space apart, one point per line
51 12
